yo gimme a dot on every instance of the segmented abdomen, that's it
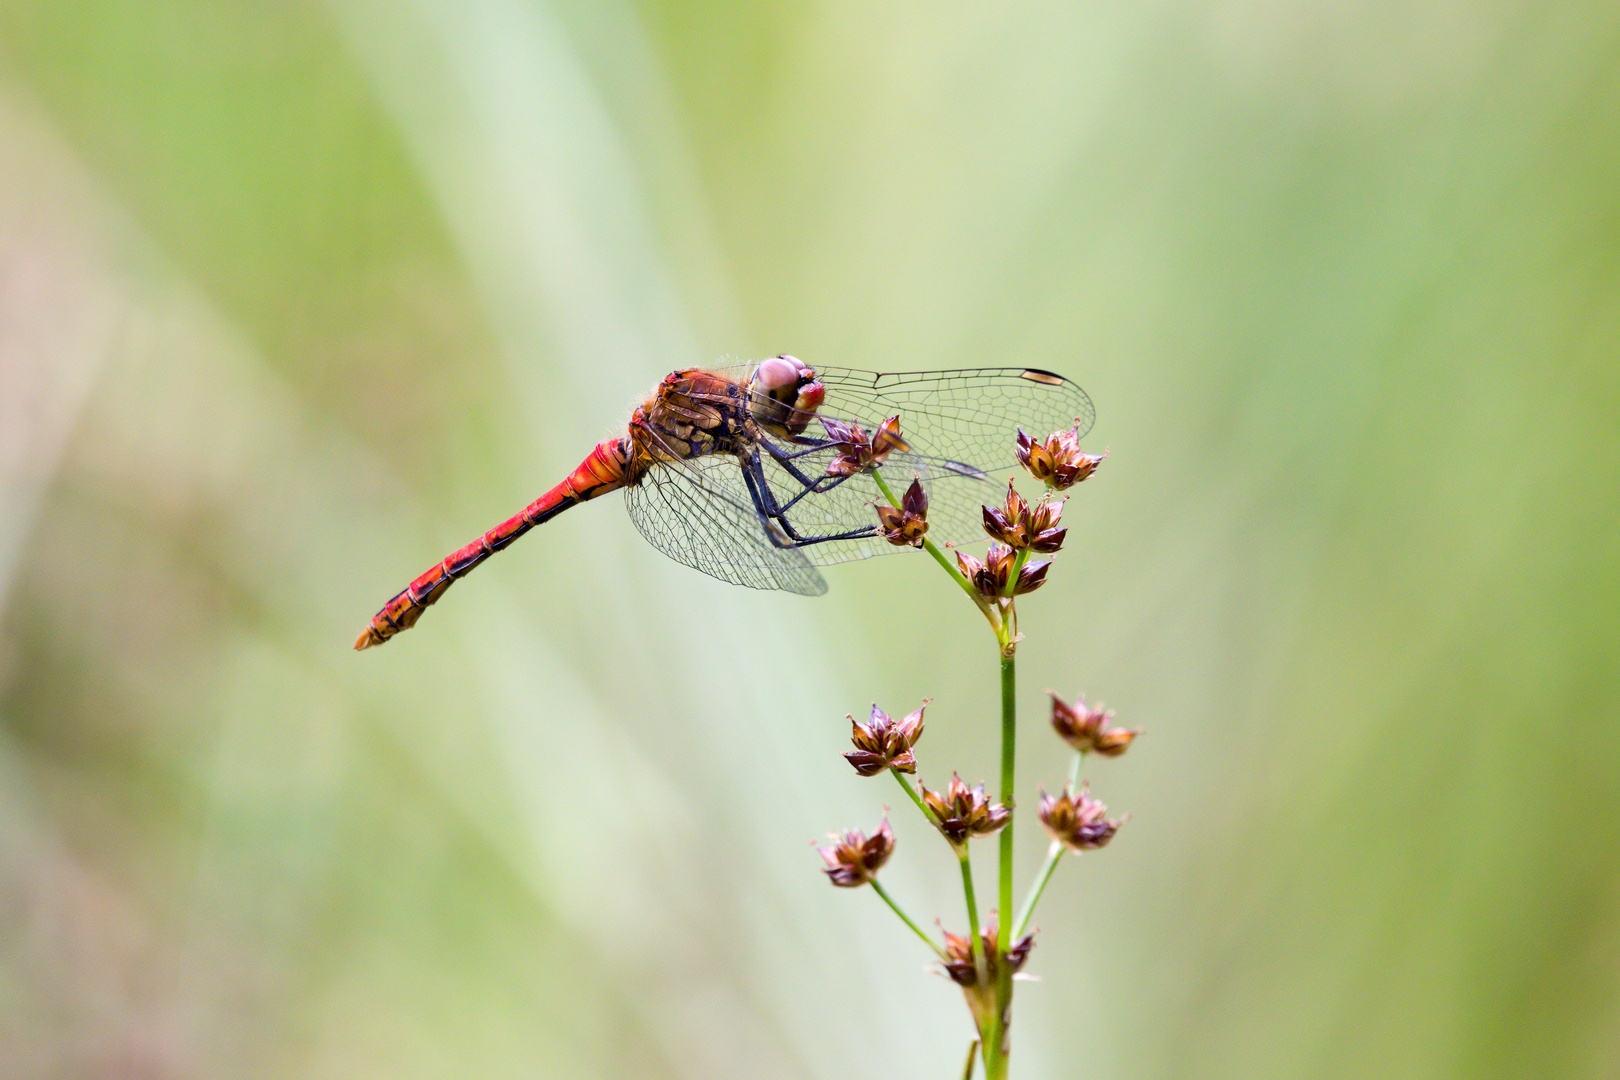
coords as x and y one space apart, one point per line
603 470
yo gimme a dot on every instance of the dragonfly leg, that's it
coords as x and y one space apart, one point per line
810 447
807 486
774 517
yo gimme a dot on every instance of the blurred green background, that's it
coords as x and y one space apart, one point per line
296 297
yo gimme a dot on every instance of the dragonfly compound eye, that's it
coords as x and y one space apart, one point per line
777 374
785 395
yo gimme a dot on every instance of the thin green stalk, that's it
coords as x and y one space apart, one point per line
995 1035
980 968
950 568
911 791
1054 855
928 545
1019 560
887 899
1009 745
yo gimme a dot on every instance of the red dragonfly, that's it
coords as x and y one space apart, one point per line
756 475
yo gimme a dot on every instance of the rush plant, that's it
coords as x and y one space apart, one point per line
985 961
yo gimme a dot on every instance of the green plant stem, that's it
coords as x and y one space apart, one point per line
1009 749
1054 855
1003 622
928 545
995 1035
980 968
887 899
912 792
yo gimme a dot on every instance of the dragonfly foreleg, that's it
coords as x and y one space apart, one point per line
807 486
810 446
773 515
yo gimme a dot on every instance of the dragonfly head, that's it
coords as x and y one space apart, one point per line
785 395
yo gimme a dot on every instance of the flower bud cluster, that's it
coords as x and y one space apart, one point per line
964 812
959 955
882 743
857 450
854 858
1057 460
1023 528
908 522
990 576
1077 821
1086 729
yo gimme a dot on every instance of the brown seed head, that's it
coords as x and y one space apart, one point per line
959 954
1008 523
1044 534
1031 577
963 812
1077 820
1057 460
1022 527
882 743
908 522
854 858
989 575
887 440
1086 729
856 450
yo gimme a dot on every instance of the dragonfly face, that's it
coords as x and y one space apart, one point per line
785 396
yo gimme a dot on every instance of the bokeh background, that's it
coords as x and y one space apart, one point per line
295 297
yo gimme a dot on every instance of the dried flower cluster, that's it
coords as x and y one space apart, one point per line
854 858
908 522
1086 729
1016 529
964 812
882 743
1077 820
857 450
992 575
959 955
1021 528
1057 461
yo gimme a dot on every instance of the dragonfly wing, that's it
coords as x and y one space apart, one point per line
962 426
971 416
691 511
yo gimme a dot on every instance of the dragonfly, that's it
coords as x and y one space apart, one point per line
757 474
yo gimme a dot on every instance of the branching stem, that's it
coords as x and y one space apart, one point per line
1054 855
887 899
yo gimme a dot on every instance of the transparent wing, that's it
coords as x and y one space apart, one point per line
691 512
971 416
962 427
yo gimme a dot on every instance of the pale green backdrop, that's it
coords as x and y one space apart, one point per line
296 297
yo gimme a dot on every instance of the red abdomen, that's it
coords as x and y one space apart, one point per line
603 470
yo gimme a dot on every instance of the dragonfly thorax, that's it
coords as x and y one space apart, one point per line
695 413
